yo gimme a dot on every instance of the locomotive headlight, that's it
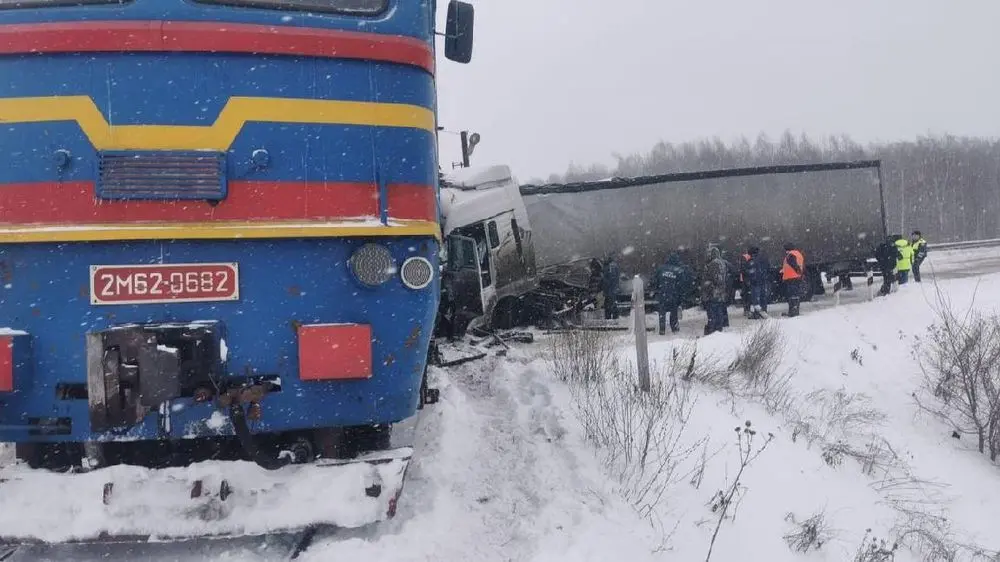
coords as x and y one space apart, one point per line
416 273
372 264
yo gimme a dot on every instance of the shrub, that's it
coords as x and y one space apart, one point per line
583 356
873 549
810 534
760 354
961 364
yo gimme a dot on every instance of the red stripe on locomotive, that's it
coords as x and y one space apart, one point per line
75 203
6 363
215 37
412 202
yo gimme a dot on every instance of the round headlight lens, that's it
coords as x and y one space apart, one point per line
417 273
372 264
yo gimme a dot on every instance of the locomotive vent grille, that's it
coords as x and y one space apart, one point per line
162 175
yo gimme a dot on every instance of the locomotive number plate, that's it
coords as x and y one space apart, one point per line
148 284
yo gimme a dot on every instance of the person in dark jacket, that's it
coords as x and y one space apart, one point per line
886 254
714 289
744 281
732 280
609 284
793 270
758 276
671 282
919 246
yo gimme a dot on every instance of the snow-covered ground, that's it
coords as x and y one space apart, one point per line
507 474
848 366
504 470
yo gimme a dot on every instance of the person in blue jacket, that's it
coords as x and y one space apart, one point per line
609 284
671 282
758 274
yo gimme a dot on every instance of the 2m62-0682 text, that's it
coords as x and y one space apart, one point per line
166 283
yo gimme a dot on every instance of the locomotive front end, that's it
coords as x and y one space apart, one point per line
218 231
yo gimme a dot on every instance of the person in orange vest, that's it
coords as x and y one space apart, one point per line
745 283
792 274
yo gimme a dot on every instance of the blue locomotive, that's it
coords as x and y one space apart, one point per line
219 226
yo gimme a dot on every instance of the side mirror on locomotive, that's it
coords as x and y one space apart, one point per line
458 31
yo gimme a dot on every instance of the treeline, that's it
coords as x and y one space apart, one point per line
948 187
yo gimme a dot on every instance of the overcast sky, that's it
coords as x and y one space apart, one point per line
555 81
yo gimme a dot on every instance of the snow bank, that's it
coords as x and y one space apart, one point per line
502 475
56 507
862 355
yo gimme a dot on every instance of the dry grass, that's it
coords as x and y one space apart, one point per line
828 416
639 435
874 549
723 503
810 534
759 356
755 369
584 356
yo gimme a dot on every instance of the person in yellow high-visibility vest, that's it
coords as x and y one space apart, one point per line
905 261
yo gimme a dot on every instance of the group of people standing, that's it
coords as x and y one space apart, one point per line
897 257
755 279
672 283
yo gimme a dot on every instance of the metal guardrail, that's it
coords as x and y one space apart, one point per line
967 244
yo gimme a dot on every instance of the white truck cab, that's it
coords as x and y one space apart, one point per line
489 260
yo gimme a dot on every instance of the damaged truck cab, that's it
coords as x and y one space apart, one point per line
498 273
490 263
